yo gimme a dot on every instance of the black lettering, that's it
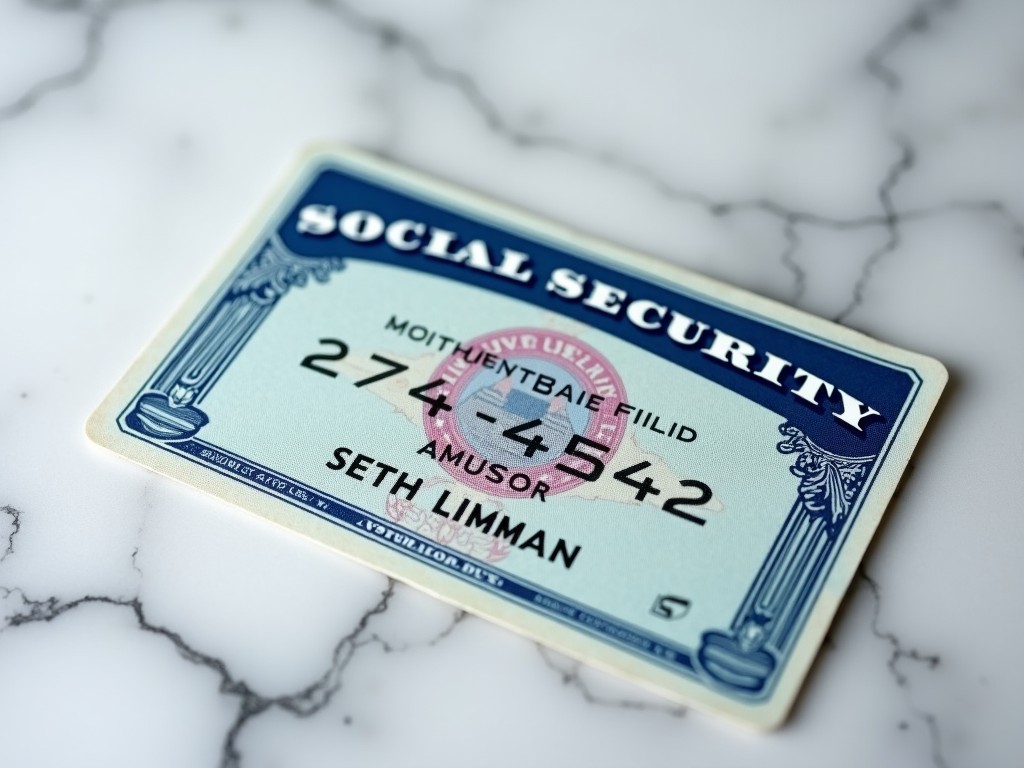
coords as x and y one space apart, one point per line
690 435
409 488
439 504
469 470
511 534
544 384
477 521
385 470
467 353
394 325
535 542
526 373
359 466
561 551
454 458
338 463
519 479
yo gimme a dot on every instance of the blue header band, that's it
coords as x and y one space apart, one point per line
879 385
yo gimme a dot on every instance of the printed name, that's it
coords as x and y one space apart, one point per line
464 511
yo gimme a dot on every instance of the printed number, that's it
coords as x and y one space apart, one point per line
439 403
534 444
310 361
643 488
394 369
672 505
596 465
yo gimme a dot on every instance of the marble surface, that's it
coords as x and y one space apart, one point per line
859 160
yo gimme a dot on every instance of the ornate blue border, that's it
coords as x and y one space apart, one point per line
743 660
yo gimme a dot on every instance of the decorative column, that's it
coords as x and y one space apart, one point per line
745 656
169 410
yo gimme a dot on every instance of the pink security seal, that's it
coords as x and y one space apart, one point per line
524 401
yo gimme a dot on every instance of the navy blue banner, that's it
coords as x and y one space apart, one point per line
876 384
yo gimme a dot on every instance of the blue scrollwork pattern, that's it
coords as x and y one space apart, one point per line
169 410
745 657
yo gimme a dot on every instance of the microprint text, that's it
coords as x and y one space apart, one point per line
410 237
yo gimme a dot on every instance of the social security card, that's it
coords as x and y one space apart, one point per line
643 468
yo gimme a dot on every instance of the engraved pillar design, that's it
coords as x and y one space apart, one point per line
745 656
168 410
